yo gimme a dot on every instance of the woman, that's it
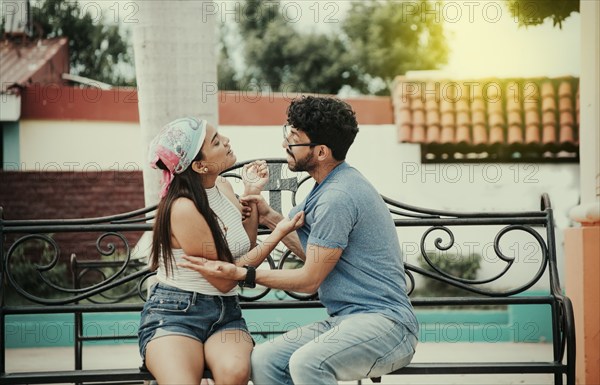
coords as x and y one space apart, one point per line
190 320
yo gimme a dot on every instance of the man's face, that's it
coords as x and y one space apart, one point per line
306 163
299 149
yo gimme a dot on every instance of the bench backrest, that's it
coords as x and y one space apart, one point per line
514 251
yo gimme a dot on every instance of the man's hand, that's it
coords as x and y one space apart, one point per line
264 210
255 176
213 268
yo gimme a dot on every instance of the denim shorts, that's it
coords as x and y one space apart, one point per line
172 311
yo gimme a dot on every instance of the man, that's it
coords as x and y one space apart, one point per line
351 256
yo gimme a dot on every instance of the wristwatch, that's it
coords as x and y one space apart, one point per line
250 280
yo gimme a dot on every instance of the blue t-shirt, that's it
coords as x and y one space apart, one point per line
345 211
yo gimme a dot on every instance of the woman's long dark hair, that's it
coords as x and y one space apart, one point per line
184 185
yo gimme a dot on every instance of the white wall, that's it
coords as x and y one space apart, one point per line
393 168
50 145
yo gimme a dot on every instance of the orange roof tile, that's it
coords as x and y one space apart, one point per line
479 134
511 117
532 118
565 104
515 134
418 134
532 134
463 134
514 119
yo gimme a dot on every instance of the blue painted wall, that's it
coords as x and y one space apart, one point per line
11 156
515 324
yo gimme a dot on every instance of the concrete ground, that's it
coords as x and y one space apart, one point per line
126 356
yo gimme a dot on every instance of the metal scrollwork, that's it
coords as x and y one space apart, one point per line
471 284
140 286
260 291
410 285
438 244
40 269
509 260
73 294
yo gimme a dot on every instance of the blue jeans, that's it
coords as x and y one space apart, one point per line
342 348
172 311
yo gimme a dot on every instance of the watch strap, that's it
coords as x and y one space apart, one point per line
250 280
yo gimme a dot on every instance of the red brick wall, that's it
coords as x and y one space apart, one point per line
37 195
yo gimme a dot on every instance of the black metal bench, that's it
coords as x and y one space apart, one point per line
95 280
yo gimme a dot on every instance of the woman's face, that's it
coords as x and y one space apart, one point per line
217 154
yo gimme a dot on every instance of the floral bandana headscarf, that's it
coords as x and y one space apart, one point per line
176 146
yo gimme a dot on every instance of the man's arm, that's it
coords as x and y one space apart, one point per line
319 263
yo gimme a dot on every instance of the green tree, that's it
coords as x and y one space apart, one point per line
530 13
277 55
226 74
289 61
258 14
375 43
457 266
389 38
96 49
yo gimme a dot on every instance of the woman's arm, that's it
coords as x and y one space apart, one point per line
190 232
307 279
250 223
257 255
255 177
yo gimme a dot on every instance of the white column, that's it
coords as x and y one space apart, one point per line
582 244
176 69
589 137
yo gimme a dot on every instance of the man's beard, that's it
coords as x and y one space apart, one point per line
304 164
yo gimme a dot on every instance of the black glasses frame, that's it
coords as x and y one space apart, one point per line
287 142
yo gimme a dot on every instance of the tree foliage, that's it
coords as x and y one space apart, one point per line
529 12
226 73
281 58
96 49
377 41
390 38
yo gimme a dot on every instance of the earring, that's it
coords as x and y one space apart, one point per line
205 169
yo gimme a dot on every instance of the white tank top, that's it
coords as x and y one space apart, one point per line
237 240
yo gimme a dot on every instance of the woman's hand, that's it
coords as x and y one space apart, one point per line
255 176
286 226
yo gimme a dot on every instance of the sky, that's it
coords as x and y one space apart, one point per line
497 46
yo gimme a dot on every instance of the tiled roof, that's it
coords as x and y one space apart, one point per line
41 61
497 119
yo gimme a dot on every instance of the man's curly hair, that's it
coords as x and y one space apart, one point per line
327 121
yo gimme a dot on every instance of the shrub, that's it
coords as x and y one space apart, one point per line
453 265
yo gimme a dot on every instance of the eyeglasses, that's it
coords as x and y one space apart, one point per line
286 135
